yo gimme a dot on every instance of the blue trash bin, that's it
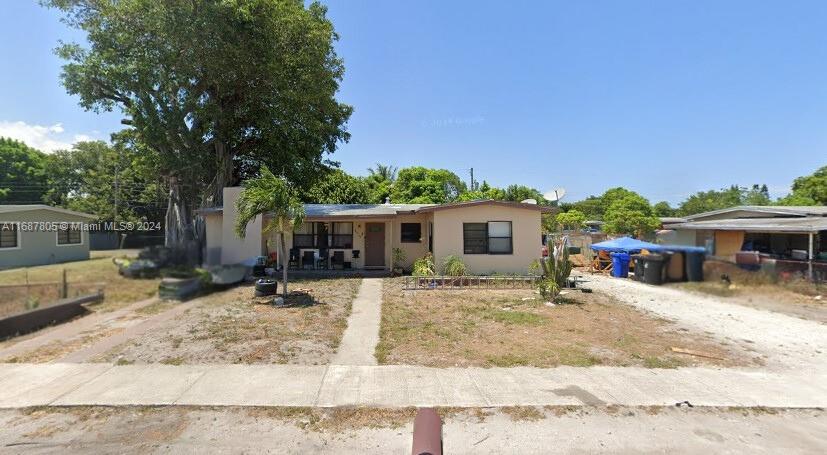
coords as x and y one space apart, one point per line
620 265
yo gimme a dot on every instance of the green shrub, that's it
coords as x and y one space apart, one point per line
453 266
424 266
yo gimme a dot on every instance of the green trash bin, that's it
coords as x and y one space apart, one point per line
653 268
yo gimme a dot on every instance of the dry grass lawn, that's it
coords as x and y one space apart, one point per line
512 328
232 326
82 276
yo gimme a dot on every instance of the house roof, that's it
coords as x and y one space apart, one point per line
29 207
672 219
457 205
781 225
384 210
794 211
359 210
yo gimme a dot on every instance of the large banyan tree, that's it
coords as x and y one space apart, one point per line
212 88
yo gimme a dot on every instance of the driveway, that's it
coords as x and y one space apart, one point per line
786 342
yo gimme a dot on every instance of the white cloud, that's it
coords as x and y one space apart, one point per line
46 138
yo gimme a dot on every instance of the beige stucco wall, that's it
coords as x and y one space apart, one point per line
412 251
233 248
37 247
525 232
214 224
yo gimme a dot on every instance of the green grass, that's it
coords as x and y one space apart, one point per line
87 276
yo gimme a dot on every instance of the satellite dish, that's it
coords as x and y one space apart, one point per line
555 194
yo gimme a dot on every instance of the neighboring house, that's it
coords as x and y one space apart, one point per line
32 235
489 236
785 233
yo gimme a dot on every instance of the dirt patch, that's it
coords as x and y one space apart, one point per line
788 299
513 328
232 326
59 348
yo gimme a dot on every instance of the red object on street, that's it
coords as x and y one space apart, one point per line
427 433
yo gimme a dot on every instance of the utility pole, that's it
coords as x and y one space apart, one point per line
472 180
117 184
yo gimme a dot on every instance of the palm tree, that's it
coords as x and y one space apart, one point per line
383 172
274 197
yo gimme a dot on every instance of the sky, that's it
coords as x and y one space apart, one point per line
662 97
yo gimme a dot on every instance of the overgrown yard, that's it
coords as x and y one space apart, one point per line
232 326
82 277
515 328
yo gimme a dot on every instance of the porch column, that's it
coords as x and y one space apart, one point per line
810 255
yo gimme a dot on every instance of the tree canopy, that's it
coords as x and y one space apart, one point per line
808 190
630 213
420 185
706 201
573 219
112 182
338 187
23 177
663 208
211 84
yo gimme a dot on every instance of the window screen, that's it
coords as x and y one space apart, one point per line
475 238
342 235
303 236
8 235
411 232
70 236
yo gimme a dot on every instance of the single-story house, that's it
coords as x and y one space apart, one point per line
489 236
40 234
781 233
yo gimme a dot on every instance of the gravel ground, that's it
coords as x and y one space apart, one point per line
481 431
786 342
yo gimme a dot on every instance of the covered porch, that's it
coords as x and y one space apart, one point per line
326 244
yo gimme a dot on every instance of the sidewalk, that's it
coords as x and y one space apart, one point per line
62 384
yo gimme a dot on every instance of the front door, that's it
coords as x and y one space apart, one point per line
374 244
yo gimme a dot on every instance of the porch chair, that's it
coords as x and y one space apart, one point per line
324 259
293 262
338 259
309 257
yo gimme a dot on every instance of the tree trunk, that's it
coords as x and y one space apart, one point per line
177 217
214 196
180 233
284 261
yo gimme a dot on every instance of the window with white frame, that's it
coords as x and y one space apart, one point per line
499 237
493 237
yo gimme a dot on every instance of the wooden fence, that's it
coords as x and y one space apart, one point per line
413 283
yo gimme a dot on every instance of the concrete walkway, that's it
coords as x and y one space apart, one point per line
63 384
362 334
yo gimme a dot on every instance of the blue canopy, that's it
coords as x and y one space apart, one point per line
624 245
